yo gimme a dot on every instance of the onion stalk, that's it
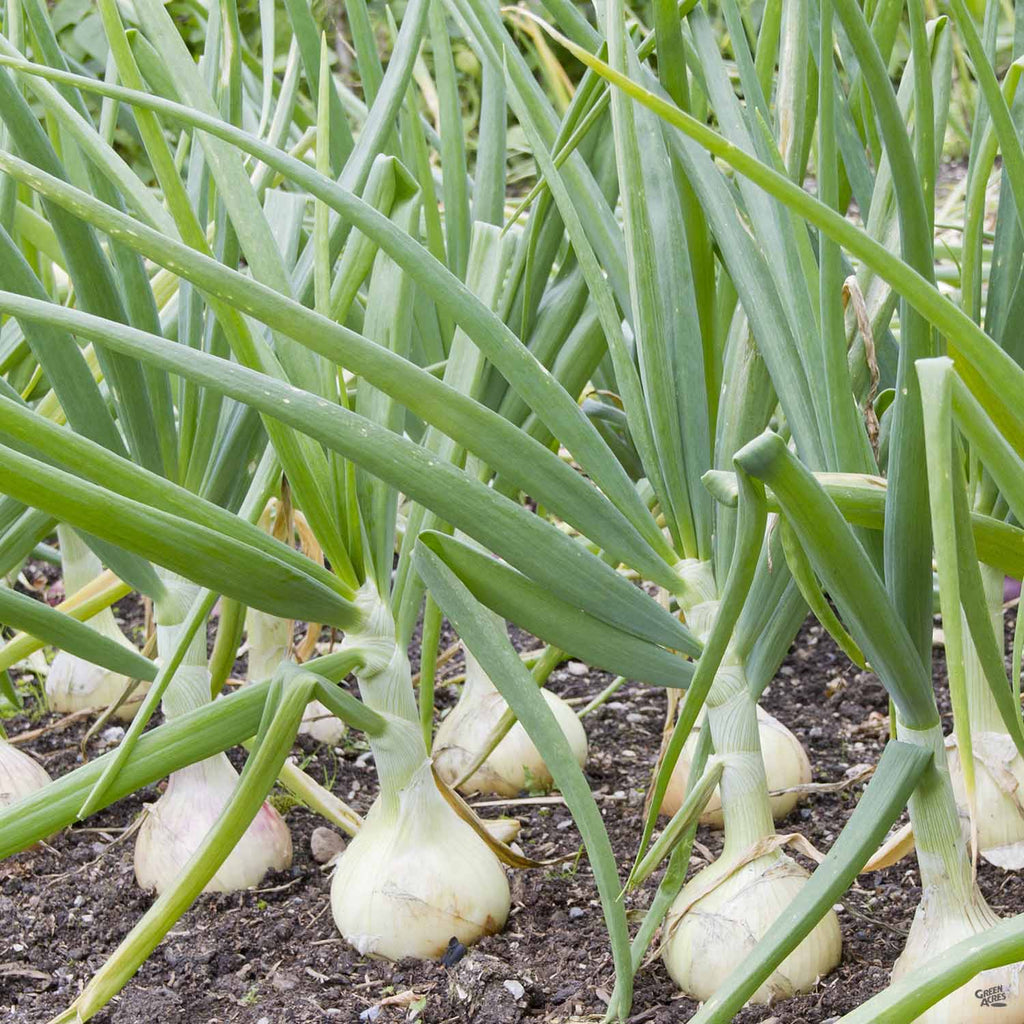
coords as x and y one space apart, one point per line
952 907
271 639
270 643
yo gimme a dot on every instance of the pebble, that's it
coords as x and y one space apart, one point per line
575 912
576 668
325 844
112 736
515 988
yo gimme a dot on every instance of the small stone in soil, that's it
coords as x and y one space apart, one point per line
325 844
515 989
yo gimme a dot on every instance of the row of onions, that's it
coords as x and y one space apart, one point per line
310 374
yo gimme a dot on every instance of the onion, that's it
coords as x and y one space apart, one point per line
178 822
940 921
710 934
724 911
72 682
20 774
785 761
515 763
415 875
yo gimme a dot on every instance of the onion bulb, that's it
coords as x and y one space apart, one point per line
515 763
20 774
785 762
414 876
711 932
178 822
991 997
74 683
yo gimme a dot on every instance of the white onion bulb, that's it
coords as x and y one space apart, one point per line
20 774
992 997
717 932
785 761
414 876
515 763
998 796
178 822
74 683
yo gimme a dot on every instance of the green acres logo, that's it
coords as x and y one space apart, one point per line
994 996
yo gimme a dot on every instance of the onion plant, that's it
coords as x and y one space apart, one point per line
300 294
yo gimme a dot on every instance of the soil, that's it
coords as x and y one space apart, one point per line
272 955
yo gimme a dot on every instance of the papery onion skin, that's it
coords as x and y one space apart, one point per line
178 822
515 763
411 880
998 796
786 766
20 774
716 933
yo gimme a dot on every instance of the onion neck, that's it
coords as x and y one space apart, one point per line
984 713
270 643
478 683
946 872
385 685
190 687
732 719
79 567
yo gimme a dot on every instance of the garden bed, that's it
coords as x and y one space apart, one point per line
273 955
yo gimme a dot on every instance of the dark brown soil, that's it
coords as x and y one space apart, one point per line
272 955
